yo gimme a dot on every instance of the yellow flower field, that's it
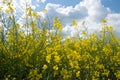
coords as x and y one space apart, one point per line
37 54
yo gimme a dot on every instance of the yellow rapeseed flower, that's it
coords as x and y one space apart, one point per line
118 74
55 67
84 32
56 19
9 9
58 25
1 8
57 59
48 58
44 11
74 23
103 21
106 72
3 1
28 10
32 24
78 74
35 14
96 73
45 67
83 23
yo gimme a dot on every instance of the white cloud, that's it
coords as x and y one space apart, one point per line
67 31
113 19
25 3
41 1
90 11
67 14
95 9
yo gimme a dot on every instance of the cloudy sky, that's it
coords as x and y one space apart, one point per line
90 11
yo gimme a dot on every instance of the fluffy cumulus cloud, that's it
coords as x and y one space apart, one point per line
90 11
95 9
66 13
41 1
114 20
28 3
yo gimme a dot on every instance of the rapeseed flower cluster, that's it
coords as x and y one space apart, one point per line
38 54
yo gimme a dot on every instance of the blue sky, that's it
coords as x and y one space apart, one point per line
114 5
64 2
